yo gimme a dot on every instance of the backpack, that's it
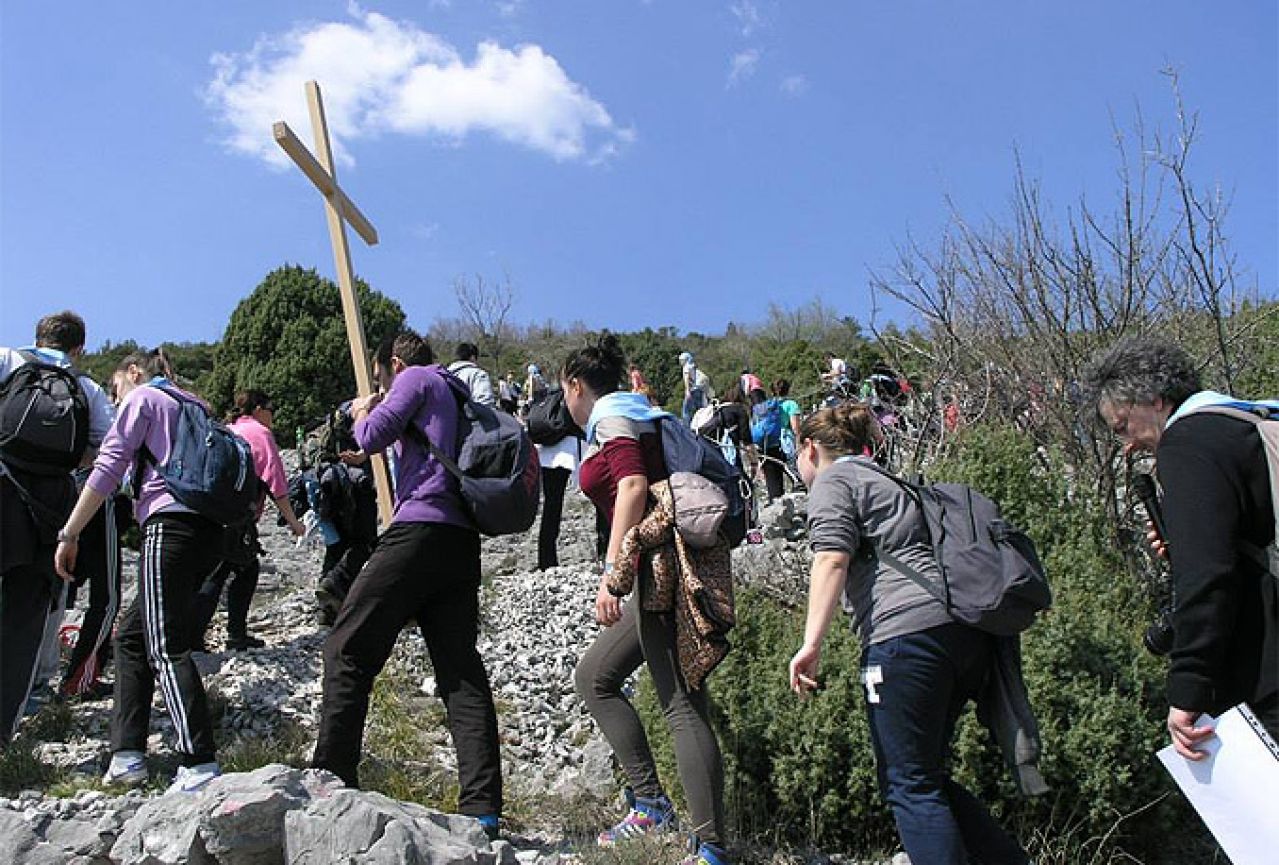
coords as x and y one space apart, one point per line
992 578
44 418
766 422
549 421
210 468
705 418
496 467
685 451
1264 415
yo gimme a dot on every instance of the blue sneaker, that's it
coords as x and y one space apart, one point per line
646 816
707 854
489 822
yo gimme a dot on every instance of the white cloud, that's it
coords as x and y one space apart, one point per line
742 66
382 76
510 8
794 85
748 16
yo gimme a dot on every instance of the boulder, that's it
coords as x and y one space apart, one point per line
355 825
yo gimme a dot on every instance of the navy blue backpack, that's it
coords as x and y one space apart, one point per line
210 468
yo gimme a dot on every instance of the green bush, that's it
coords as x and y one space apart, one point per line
289 338
801 771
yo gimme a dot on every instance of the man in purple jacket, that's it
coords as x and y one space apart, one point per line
426 567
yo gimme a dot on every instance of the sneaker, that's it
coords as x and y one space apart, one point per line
127 767
707 854
489 822
243 643
192 778
645 816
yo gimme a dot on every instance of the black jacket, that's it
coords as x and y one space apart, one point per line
1226 606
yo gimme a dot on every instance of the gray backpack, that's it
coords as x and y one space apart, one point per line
992 578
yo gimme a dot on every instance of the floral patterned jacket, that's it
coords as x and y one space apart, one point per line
696 584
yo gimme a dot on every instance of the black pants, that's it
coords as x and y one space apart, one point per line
154 640
619 650
554 483
773 472
26 592
342 564
430 572
243 580
98 564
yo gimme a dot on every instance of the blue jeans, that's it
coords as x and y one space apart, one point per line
695 399
916 689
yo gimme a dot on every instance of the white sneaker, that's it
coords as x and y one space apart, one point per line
192 778
127 767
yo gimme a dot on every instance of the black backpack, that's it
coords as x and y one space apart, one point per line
992 578
44 418
496 467
549 421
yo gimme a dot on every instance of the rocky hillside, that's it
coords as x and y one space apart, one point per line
266 704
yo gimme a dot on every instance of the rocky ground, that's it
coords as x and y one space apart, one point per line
266 703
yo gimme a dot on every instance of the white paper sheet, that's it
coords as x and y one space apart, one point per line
1236 788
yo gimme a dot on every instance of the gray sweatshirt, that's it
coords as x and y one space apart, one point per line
856 510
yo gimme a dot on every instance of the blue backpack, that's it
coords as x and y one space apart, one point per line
766 422
210 469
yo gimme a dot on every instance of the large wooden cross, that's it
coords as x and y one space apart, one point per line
341 210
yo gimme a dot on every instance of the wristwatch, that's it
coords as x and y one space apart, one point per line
65 537
608 568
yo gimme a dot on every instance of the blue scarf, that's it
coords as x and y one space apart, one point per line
632 406
1212 397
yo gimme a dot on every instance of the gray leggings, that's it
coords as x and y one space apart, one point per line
616 653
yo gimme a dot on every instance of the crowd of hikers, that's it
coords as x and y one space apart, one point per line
938 619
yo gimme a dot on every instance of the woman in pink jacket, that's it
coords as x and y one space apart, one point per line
250 420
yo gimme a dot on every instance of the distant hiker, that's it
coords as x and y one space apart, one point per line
466 367
920 667
695 384
559 450
749 381
252 417
509 394
52 419
426 567
638 384
179 548
535 387
623 464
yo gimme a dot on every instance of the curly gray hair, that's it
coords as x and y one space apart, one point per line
1138 370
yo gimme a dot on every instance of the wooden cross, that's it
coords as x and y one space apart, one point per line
341 210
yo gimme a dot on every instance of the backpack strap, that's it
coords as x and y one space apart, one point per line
39 510
892 561
1258 414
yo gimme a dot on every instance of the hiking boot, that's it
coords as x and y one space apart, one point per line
126 767
193 778
328 603
706 854
243 642
646 816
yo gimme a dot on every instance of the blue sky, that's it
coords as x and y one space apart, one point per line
627 163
